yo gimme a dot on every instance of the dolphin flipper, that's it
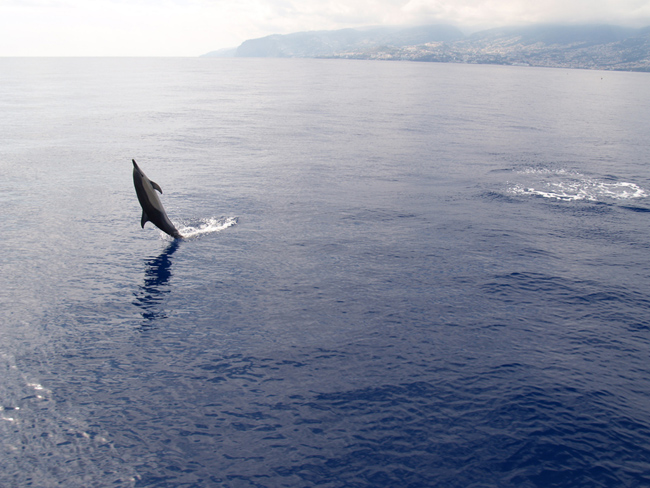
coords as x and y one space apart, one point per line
145 219
156 186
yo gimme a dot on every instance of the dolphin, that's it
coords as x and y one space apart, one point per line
152 209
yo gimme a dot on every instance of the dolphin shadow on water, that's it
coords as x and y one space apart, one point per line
150 296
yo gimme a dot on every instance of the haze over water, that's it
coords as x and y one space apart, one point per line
399 274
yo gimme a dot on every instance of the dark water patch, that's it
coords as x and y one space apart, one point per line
635 208
262 421
497 196
534 287
575 299
408 434
375 215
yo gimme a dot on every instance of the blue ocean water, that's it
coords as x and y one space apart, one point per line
398 275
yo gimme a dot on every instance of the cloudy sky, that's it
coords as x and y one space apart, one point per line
194 27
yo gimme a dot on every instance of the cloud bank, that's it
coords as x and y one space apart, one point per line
191 27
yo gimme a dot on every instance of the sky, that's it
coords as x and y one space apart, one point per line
195 27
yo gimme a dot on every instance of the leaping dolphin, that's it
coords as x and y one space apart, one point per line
152 209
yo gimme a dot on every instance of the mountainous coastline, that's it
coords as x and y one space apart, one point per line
605 47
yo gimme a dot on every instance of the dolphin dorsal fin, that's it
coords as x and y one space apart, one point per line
156 186
145 219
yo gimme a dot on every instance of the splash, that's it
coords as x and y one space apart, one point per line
569 186
205 226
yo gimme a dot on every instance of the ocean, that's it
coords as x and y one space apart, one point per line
396 275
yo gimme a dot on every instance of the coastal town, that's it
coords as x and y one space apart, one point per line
603 47
511 51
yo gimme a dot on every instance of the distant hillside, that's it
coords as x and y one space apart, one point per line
583 46
330 43
585 35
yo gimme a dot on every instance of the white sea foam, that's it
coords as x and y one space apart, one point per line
569 186
206 226
545 171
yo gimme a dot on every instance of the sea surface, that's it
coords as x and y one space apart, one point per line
396 275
